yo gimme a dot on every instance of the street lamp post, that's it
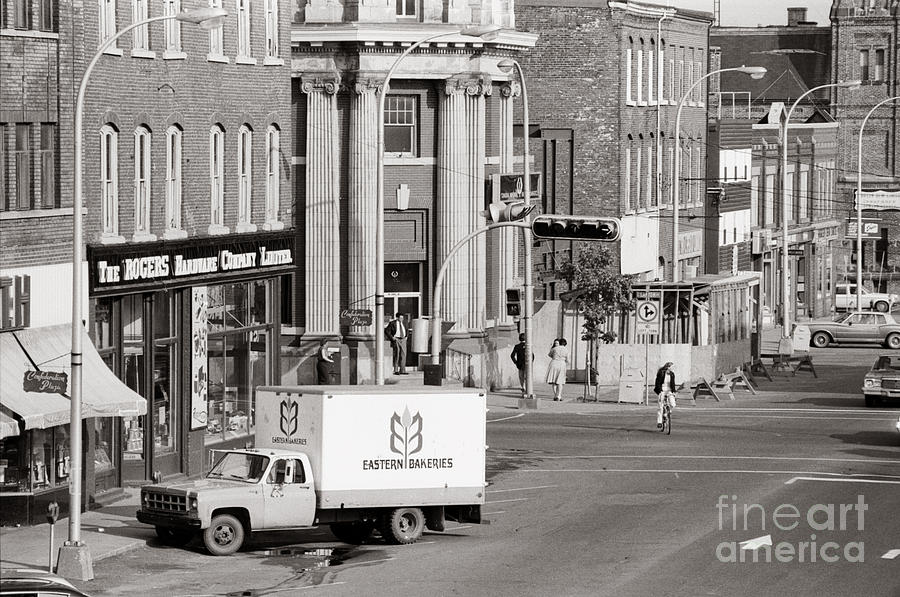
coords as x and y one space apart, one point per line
74 559
755 72
528 287
785 207
859 238
379 201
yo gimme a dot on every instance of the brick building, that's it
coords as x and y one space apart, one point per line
613 73
187 224
448 129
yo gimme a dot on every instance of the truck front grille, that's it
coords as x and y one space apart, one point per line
890 384
165 502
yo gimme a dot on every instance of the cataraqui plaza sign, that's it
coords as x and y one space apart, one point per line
187 262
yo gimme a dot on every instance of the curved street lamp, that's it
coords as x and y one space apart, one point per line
755 72
74 556
859 239
785 211
379 181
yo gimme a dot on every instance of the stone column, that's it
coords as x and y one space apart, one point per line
322 209
460 201
507 258
361 212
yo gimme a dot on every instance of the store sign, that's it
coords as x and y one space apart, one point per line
871 229
511 187
46 382
880 200
148 264
199 362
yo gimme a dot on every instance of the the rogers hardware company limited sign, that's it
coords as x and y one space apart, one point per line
188 262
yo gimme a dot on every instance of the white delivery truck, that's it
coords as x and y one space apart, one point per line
358 458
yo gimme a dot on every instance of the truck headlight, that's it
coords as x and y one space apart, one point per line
872 383
194 504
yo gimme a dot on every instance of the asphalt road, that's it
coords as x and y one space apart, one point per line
600 503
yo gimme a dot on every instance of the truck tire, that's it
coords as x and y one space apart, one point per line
882 307
224 536
354 533
404 526
176 537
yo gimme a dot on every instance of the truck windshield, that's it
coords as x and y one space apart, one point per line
241 467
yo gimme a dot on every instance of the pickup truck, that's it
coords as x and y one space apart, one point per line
357 458
845 299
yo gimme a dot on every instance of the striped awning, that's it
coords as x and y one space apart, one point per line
8 426
48 349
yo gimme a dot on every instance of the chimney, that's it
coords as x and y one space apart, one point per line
796 16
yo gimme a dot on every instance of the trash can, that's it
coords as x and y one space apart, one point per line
420 330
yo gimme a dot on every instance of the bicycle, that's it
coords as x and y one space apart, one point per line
666 419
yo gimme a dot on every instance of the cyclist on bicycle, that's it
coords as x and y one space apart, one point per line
665 391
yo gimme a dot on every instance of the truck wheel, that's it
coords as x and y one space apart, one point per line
821 339
354 533
404 526
882 306
224 536
177 537
892 341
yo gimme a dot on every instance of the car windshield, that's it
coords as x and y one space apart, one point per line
240 467
886 363
841 317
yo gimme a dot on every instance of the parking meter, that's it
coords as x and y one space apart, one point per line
52 512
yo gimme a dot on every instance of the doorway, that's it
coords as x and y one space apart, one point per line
403 294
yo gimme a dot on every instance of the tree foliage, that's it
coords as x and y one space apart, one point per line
602 290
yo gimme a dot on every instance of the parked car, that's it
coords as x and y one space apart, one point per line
35 583
882 382
862 326
845 299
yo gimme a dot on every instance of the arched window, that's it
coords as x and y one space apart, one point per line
109 181
217 180
245 179
273 177
173 182
142 184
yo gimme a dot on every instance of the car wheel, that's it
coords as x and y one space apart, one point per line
224 536
882 307
892 341
821 339
871 401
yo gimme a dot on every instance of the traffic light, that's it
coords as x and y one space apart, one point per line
575 228
508 212
513 302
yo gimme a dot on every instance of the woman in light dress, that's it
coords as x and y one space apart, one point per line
559 361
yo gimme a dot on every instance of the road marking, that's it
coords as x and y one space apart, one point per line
797 474
716 457
506 418
522 488
724 414
509 500
880 481
756 543
331 584
493 512
891 554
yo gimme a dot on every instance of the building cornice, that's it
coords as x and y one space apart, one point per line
402 35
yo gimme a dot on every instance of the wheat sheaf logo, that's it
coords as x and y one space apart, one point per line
406 434
289 417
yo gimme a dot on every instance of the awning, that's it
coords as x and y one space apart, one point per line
8 426
48 349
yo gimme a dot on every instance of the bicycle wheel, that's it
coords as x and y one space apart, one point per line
667 421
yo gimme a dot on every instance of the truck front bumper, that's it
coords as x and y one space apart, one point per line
159 519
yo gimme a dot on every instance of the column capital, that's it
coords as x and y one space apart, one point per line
475 84
511 89
330 83
367 82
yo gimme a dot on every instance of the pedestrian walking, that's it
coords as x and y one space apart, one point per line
665 390
559 362
518 358
324 362
396 332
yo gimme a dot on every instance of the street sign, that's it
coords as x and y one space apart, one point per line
796 252
356 317
648 315
47 382
871 229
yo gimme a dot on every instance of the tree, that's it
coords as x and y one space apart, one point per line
600 292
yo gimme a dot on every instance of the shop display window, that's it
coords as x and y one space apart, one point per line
37 461
104 445
133 374
13 470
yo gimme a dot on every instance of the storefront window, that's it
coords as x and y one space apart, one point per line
13 466
239 329
133 374
103 445
49 461
165 378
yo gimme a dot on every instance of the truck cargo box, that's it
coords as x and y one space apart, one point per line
373 446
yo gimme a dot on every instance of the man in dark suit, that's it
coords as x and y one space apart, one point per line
397 331
665 390
518 358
